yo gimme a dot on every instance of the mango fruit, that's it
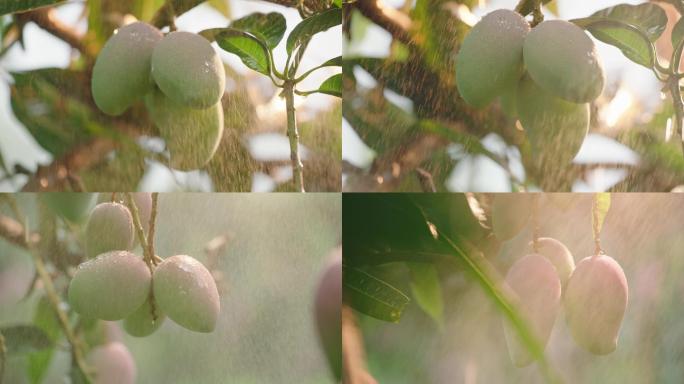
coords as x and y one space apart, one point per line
121 74
562 59
188 70
110 286
491 56
185 290
109 228
537 290
595 302
192 136
113 364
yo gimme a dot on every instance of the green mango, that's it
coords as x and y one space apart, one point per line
491 57
188 70
144 321
110 228
192 136
562 59
185 290
110 287
121 74
554 127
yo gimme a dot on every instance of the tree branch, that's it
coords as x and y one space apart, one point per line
51 293
12 231
46 19
393 21
354 369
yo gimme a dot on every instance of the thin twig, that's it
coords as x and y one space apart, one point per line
355 370
53 297
140 231
152 226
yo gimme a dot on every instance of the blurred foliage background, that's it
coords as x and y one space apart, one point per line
451 329
54 138
406 128
270 269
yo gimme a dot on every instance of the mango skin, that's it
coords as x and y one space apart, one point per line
110 228
110 286
595 302
188 70
142 322
113 364
535 283
554 127
121 74
185 290
562 59
490 57
72 206
510 214
192 136
559 255
328 311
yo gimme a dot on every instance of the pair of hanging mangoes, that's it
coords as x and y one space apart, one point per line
545 77
180 77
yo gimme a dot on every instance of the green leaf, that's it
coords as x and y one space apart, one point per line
222 6
21 339
305 30
678 33
633 43
332 86
427 290
11 6
251 50
648 18
337 3
601 207
372 296
334 62
44 318
268 27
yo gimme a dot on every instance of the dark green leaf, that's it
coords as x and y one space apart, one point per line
427 290
331 86
334 62
372 296
269 27
25 338
633 43
678 33
252 51
305 30
11 6
648 18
